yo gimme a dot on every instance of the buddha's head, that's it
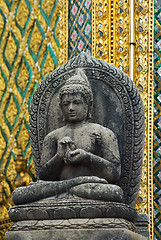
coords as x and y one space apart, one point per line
76 98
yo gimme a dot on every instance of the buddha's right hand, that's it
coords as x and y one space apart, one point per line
77 156
64 146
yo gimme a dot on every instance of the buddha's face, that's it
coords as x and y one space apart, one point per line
74 108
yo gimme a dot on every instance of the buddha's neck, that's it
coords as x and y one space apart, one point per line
76 124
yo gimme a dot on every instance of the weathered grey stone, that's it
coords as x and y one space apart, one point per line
142 225
72 229
106 192
99 190
79 234
76 223
19 235
67 206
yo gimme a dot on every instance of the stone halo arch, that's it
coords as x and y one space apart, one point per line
100 73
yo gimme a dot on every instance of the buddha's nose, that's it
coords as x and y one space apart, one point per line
71 107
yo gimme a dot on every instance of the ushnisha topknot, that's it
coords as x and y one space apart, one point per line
78 78
79 84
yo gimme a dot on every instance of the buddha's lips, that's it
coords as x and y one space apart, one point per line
72 114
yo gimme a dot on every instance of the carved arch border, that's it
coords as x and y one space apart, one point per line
133 108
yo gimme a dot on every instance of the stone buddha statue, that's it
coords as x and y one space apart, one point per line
85 153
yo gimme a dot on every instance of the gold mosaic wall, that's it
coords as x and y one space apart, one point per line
34 41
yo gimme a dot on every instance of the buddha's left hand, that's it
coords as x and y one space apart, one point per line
77 156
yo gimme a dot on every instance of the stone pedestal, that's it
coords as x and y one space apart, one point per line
75 229
63 234
73 218
142 225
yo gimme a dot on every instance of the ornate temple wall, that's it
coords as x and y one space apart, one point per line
37 36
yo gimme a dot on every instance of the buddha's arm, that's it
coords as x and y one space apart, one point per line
104 168
109 165
51 162
51 169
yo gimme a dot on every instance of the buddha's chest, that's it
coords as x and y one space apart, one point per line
83 138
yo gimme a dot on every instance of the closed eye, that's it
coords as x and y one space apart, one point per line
65 103
77 102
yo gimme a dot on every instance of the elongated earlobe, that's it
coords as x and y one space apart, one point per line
63 119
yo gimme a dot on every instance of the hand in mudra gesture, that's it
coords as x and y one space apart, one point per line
66 150
77 156
65 145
